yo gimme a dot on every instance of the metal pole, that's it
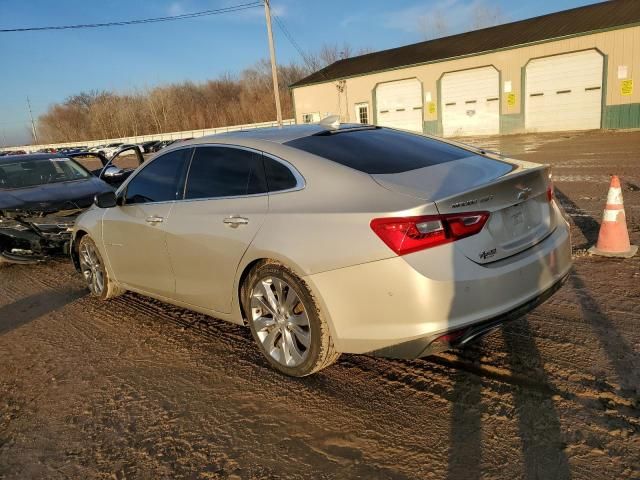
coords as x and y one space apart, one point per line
33 125
274 68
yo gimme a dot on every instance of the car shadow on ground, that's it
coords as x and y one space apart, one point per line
538 422
585 222
26 309
621 355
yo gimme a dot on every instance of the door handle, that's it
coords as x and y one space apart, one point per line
153 219
235 221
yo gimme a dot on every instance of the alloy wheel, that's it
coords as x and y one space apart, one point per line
92 268
280 321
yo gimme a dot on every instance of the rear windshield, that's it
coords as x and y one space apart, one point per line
379 150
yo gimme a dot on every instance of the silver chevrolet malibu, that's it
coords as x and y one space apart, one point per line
326 239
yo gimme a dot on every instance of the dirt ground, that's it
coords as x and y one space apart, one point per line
135 388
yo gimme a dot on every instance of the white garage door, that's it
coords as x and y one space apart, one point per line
399 105
471 102
564 92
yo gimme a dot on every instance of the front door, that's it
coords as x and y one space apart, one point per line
209 231
135 231
134 239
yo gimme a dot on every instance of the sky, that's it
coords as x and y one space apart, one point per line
49 66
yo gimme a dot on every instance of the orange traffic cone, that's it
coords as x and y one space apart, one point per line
613 240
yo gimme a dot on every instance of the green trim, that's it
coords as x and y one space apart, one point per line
523 86
603 90
439 106
374 105
293 104
422 102
474 54
500 132
511 123
430 127
622 116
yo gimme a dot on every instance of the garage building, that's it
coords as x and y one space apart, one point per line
571 70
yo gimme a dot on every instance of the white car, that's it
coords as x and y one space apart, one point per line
109 150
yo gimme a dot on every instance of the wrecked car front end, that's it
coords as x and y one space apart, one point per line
31 236
41 195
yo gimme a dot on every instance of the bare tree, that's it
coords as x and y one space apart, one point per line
433 26
227 100
484 16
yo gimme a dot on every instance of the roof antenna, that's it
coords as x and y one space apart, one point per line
332 122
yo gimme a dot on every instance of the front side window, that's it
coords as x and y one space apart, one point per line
224 172
161 180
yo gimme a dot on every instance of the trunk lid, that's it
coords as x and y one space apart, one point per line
514 193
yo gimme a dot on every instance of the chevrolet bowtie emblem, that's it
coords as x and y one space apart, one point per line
524 193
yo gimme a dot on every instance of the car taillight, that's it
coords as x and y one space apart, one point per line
409 234
550 190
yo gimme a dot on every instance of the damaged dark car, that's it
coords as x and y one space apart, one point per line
40 197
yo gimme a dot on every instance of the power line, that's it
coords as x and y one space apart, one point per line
305 58
204 13
295 44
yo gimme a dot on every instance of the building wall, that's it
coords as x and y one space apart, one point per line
619 47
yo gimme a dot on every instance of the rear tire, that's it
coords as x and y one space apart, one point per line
286 322
94 271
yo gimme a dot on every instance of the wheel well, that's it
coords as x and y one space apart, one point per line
243 276
74 250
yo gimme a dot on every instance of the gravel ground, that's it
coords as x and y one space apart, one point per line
135 388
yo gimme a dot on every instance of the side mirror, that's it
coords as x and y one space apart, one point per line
111 172
105 200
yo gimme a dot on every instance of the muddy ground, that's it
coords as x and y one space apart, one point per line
135 388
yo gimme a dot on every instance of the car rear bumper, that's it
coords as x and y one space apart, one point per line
379 306
442 341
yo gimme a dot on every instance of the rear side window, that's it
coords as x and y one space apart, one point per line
380 150
279 177
161 180
224 172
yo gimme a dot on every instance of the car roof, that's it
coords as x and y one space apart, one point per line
30 156
273 134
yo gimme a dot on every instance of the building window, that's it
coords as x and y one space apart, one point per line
310 117
362 112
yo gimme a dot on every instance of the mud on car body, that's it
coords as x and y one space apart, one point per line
40 197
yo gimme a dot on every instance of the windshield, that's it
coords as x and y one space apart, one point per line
29 173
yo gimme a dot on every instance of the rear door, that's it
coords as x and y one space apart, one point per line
134 232
225 203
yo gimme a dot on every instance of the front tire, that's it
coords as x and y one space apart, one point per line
285 321
94 271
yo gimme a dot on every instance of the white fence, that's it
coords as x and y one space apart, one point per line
159 136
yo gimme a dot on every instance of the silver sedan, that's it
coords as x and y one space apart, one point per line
329 239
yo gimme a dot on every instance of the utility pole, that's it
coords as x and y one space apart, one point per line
274 68
33 124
